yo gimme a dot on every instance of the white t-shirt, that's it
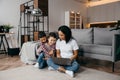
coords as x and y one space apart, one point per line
66 49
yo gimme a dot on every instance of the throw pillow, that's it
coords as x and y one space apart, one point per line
83 36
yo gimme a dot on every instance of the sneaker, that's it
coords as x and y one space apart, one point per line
51 68
36 65
70 73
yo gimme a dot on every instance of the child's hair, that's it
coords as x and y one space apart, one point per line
52 34
41 34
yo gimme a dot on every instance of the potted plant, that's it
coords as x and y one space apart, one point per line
7 27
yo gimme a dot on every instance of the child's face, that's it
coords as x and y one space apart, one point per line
51 40
43 39
61 35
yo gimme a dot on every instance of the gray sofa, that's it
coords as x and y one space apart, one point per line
98 43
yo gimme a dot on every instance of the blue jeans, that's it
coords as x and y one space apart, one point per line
74 67
41 61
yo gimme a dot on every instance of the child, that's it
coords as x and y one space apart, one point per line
42 39
47 50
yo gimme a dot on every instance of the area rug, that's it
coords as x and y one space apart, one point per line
31 73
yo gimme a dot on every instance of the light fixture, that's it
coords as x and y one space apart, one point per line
94 0
36 12
100 2
85 1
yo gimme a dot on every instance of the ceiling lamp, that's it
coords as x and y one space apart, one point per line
36 12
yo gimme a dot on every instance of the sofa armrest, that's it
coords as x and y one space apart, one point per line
116 47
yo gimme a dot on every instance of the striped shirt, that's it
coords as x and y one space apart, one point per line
46 49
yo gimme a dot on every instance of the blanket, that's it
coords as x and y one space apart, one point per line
28 51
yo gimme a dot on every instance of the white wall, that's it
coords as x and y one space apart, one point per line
107 12
10 9
9 13
57 10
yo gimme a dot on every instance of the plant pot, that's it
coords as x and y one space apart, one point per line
6 30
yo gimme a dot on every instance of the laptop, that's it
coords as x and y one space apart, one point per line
62 61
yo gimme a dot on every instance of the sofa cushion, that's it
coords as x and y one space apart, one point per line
103 36
96 49
83 36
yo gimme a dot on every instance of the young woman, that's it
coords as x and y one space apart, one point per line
66 47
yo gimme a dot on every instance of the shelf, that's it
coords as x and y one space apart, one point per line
35 22
26 27
103 24
30 23
72 24
73 19
72 16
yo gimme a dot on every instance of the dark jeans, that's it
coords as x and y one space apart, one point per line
41 61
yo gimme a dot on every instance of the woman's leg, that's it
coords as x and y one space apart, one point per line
74 67
41 61
59 68
52 64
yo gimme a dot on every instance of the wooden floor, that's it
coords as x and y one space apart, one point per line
8 62
101 65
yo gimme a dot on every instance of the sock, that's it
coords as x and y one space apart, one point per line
36 65
70 73
50 68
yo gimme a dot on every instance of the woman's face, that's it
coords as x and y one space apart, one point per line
51 40
61 35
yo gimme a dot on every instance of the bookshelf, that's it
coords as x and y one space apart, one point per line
31 24
73 19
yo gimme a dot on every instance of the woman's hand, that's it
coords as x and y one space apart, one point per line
75 54
58 53
71 58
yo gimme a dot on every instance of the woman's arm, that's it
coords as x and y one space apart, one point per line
75 49
58 53
75 54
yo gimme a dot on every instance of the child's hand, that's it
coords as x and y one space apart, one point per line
51 53
38 54
45 58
